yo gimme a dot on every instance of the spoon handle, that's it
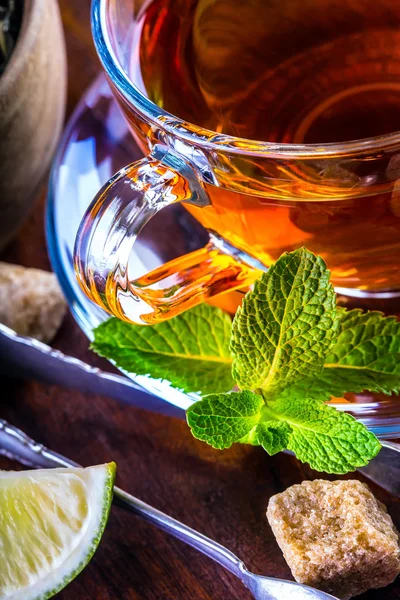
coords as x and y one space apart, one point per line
182 532
15 444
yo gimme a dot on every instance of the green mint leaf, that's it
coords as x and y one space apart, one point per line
314 388
191 350
286 325
273 436
327 439
305 389
366 356
222 419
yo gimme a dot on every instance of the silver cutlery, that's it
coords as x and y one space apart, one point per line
15 444
23 356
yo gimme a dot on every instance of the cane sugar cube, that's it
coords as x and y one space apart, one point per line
31 301
335 536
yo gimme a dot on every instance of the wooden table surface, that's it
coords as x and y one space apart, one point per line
223 494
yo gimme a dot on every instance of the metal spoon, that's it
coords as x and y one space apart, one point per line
24 356
15 444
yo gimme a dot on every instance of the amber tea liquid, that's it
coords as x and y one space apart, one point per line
292 71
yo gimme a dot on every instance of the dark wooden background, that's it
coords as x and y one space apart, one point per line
223 494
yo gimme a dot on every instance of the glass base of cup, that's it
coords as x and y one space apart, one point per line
96 144
386 294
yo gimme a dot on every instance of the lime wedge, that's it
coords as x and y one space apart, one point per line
51 522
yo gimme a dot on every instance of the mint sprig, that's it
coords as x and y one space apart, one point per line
327 439
290 350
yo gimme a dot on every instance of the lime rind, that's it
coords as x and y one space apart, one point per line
99 482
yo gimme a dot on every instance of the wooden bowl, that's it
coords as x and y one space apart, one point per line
32 107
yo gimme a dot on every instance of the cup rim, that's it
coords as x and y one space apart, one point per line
210 140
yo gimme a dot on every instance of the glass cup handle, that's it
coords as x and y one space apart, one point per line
114 220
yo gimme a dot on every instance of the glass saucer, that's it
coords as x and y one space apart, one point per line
96 144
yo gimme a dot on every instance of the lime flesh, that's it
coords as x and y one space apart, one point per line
51 522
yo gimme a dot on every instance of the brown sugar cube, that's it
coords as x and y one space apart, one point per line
335 536
31 301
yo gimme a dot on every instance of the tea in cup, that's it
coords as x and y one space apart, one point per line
274 123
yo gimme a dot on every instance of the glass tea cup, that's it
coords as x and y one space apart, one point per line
256 198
